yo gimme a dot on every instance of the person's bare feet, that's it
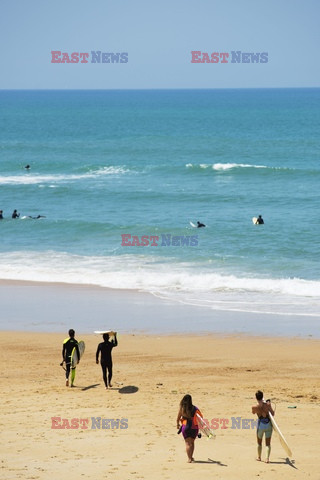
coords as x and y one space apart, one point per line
67 383
258 459
267 460
110 386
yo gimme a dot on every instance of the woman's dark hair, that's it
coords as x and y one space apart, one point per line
259 395
186 406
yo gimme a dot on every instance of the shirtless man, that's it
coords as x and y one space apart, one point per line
262 409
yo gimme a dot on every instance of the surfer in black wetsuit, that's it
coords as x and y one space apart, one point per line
1 214
68 345
15 214
105 348
259 220
199 224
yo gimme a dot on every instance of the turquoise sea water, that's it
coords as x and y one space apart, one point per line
106 163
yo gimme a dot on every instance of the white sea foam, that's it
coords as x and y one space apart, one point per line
232 166
28 179
229 166
176 282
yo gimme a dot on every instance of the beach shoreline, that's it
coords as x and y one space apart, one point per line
90 307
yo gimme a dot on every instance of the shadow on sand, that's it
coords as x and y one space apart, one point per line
286 461
90 386
214 462
128 389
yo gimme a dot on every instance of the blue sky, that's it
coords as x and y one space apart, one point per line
159 38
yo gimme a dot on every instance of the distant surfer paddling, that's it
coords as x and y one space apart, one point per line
68 345
200 225
104 350
187 424
262 409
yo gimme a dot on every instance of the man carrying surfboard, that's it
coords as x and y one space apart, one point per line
68 345
262 409
105 349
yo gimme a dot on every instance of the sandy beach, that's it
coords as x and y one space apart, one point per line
151 374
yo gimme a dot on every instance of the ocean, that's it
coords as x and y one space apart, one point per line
104 164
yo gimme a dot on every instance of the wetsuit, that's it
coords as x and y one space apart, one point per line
264 427
105 349
190 425
68 346
260 220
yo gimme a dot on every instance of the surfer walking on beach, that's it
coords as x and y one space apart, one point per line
105 349
262 409
68 345
187 424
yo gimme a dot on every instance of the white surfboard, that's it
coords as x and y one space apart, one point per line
101 332
283 441
203 427
254 220
193 225
74 354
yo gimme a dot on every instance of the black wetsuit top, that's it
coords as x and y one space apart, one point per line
68 346
105 348
260 221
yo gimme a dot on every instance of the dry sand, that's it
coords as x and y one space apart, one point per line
222 374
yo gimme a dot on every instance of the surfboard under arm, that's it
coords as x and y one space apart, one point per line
203 427
283 441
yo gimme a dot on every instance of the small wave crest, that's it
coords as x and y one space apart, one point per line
223 166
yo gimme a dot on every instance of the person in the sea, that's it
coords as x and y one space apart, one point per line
105 349
1 214
262 409
199 224
187 424
260 220
68 345
15 214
